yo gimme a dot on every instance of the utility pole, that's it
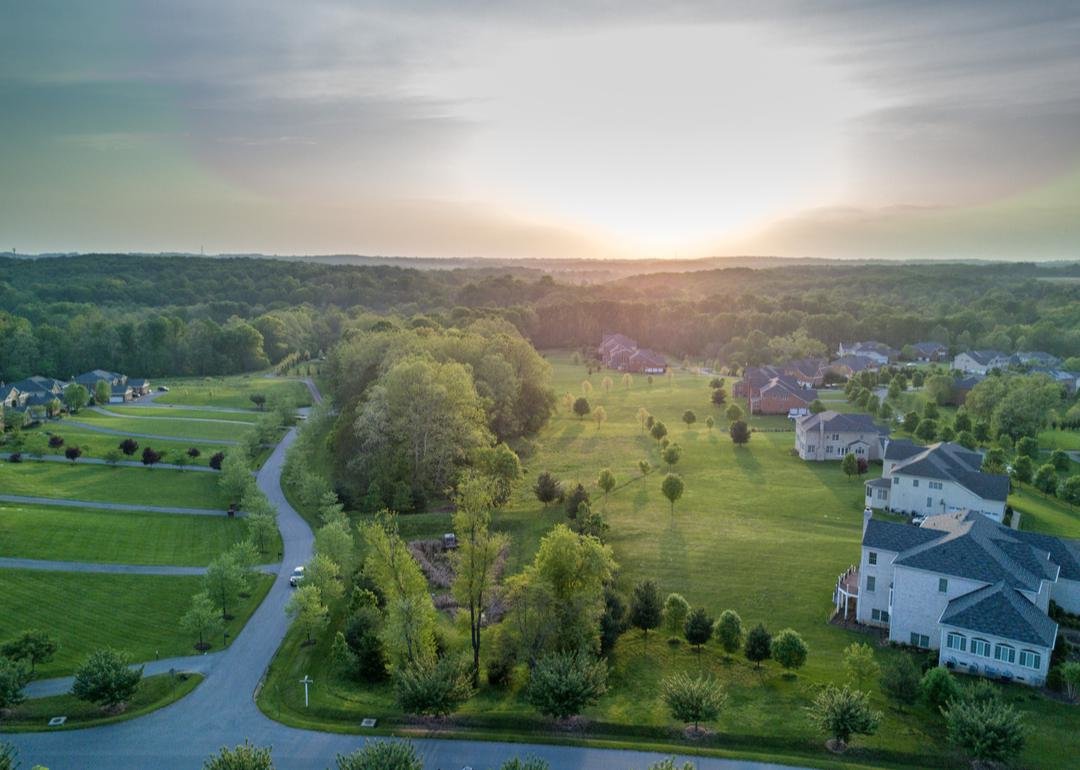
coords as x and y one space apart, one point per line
307 680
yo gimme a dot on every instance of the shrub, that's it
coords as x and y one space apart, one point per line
435 690
243 757
105 679
728 631
676 608
563 684
13 678
129 446
693 700
789 649
986 730
216 459
900 679
938 687
55 441
842 713
529 763
547 489
573 501
15 457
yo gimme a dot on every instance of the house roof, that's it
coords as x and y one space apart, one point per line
1063 551
929 347
788 386
37 383
842 423
969 382
902 449
951 462
983 357
647 357
1047 359
808 368
971 546
892 536
999 610
879 483
855 363
120 389
872 346
96 375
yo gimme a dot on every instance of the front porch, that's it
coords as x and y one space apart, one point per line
846 594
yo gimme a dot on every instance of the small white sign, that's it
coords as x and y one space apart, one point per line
367 722
57 721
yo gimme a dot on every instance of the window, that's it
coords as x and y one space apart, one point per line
871 583
935 485
836 437
956 642
869 492
1004 653
1030 658
882 494
929 502
920 640
914 482
943 585
980 647
872 558
896 481
881 615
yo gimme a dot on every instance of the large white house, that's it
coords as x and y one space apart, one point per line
879 352
831 435
982 361
936 479
962 584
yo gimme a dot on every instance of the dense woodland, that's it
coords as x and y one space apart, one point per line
151 316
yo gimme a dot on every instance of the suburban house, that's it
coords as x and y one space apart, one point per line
1068 380
976 591
1038 358
41 391
982 361
617 351
769 391
852 364
963 386
90 379
831 435
879 352
808 372
140 386
938 479
121 393
9 396
930 351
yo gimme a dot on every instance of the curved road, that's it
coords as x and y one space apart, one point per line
222 710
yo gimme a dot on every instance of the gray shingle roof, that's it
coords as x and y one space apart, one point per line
882 483
902 449
1063 551
952 462
842 423
891 536
999 610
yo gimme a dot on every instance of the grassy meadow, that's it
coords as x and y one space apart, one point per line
168 411
99 444
221 430
98 483
233 392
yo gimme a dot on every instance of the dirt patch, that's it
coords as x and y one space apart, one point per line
434 560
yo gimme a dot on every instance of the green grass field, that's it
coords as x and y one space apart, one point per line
230 391
99 444
119 537
757 530
138 614
154 692
180 429
97 483
249 415
1068 440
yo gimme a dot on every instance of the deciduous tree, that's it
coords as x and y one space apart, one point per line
563 684
693 700
106 679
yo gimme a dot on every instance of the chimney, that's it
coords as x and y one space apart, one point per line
867 514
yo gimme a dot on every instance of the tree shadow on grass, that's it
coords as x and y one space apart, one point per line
570 434
748 463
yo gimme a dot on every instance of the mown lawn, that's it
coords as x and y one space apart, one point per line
1048 515
1068 440
99 483
248 415
154 692
181 429
99 444
119 537
137 614
230 391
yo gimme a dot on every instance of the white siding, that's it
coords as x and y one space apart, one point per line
878 599
917 603
976 664
906 497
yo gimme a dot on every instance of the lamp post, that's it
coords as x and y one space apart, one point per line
307 680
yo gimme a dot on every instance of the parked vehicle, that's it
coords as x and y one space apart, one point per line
297 577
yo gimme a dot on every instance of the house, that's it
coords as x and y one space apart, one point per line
963 386
831 435
982 361
753 379
611 343
1038 358
140 386
808 372
645 361
930 351
937 479
976 591
10 397
121 393
879 352
1068 380
39 384
90 379
851 365
780 395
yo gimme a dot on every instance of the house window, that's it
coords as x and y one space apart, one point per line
880 615
943 585
919 640
871 583
980 647
956 642
1030 659
836 437
1004 653
935 485
914 482
896 480
872 558
929 502
869 492
882 494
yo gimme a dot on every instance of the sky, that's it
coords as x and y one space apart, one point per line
608 129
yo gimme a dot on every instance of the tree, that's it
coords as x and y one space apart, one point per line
607 385
9 757
841 713
581 407
658 431
613 622
14 674
938 687
911 422
859 663
689 418
150 458
224 582
900 680
966 439
334 540
1022 469
563 684
193 452
671 455
113 457
547 489
927 429
102 392
672 487
993 461
758 647
816 406
642 416
1069 490
710 422
381 755
216 460
573 501
849 465
324 574
1028 447
307 611
728 631
698 628
586 387
73 453
32 646
105 678
202 620
243 756
693 701
676 608
985 729
235 478
646 607
259 399
75 396
56 441
940 389
129 446
433 689
789 649
645 468
476 557
599 416
740 433
1059 458
1070 677
606 482
1046 479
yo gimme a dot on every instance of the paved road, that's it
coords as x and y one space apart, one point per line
11 562
222 710
110 506
118 463
152 436
107 413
